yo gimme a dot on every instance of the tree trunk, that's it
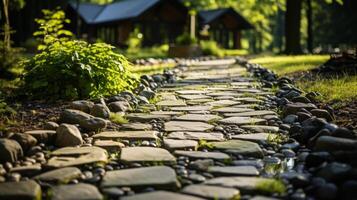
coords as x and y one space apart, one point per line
292 26
7 33
310 37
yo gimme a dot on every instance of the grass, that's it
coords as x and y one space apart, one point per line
271 186
151 69
118 118
283 65
332 89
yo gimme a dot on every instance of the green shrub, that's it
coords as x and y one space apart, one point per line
211 48
185 39
9 59
70 69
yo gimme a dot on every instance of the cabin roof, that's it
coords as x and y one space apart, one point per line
210 16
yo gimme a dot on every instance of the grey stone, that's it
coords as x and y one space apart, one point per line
244 148
201 165
171 103
160 195
29 170
109 145
126 135
180 144
74 116
149 94
62 175
170 113
244 184
261 128
232 110
79 191
335 172
94 124
143 117
251 113
222 103
43 136
146 154
68 135
119 106
24 190
50 126
263 198
207 136
202 155
10 150
158 177
74 156
194 97
25 140
82 105
190 92
172 126
293 108
191 108
242 121
211 192
322 114
100 110
227 93
290 119
234 171
329 143
137 126
255 137
198 117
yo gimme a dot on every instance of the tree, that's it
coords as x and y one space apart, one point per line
292 26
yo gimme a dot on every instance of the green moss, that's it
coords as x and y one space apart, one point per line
118 118
203 144
271 186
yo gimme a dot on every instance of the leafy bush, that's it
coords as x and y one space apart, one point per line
9 59
211 48
134 41
186 39
69 69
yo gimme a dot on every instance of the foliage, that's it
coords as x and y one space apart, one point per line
134 41
118 118
69 69
148 52
152 69
271 186
185 39
290 64
211 48
9 59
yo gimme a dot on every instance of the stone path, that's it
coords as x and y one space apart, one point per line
214 134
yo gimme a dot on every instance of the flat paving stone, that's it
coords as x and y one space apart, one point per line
242 121
180 144
146 154
263 198
198 117
144 117
244 184
232 110
158 177
161 195
240 147
171 103
109 145
249 90
208 136
170 113
73 156
246 105
194 97
198 101
190 92
248 84
136 126
202 155
23 190
249 100
226 93
233 171
260 128
62 175
254 137
191 108
222 103
251 113
127 135
80 191
172 126
211 192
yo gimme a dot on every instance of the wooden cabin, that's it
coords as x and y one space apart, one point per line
225 26
160 21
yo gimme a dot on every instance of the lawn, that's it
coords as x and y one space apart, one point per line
289 64
335 89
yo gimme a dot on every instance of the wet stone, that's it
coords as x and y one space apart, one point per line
208 136
79 191
171 103
73 156
24 190
242 121
161 195
143 117
136 126
180 144
126 135
186 126
211 192
244 148
158 177
146 154
62 175
202 155
234 171
198 117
